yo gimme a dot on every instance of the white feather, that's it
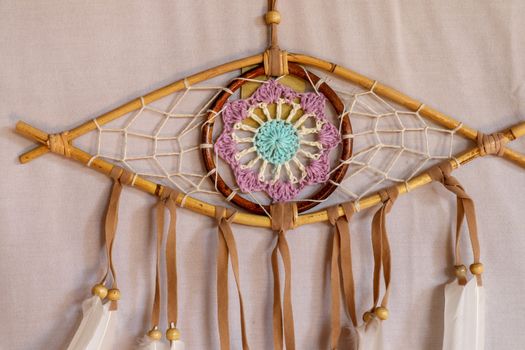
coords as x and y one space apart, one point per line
370 335
97 329
146 343
177 345
464 316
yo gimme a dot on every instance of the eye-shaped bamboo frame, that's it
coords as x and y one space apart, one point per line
201 207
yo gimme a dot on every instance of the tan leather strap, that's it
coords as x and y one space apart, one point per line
381 246
341 260
167 200
120 177
283 218
226 247
168 197
155 311
465 208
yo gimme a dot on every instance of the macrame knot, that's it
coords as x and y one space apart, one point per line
123 176
333 212
59 143
492 143
222 213
388 197
168 193
440 172
284 216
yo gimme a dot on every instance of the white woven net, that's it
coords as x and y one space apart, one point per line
162 142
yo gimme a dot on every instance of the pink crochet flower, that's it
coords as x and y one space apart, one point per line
277 141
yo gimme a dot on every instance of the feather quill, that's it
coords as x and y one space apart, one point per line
370 335
97 328
146 343
177 345
464 316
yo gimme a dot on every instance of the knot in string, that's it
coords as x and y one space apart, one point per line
440 172
121 175
333 212
59 143
168 193
223 214
492 143
388 197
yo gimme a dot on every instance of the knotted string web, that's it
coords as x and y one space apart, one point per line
391 144
162 142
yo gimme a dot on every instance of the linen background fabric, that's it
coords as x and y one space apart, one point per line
65 62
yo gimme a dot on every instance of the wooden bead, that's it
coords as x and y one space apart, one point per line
155 334
381 313
99 290
172 334
368 316
273 17
476 268
114 294
460 270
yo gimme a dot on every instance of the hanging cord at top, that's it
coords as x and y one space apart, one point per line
275 59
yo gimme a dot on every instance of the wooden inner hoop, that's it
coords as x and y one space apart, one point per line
207 138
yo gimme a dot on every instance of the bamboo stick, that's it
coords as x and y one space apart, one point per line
149 98
247 219
400 98
384 91
251 219
356 78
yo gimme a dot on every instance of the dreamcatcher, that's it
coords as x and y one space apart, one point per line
291 133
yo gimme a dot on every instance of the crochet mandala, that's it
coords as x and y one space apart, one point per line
277 141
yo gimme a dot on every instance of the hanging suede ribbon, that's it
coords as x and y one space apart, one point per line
465 209
120 177
341 269
283 219
226 247
382 256
168 200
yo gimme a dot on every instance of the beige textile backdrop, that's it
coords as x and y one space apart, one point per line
64 62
